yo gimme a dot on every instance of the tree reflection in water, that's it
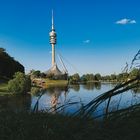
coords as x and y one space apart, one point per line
92 86
75 87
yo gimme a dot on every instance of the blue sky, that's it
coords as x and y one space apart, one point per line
93 35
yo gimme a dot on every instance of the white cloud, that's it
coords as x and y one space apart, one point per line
126 21
133 22
86 41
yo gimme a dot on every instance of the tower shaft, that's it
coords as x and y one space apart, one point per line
53 55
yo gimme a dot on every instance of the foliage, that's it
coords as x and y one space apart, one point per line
50 76
8 66
35 91
97 77
36 74
3 88
87 77
21 84
134 72
122 76
74 79
113 77
90 78
108 78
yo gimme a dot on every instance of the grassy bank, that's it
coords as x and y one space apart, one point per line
3 85
45 82
43 126
50 83
61 82
3 89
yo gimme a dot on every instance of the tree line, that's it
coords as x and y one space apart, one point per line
76 78
8 65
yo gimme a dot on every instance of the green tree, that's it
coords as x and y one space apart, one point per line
36 73
106 78
75 78
84 78
42 75
87 77
50 76
122 76
97 77
8 66
21 84
135 72
113 77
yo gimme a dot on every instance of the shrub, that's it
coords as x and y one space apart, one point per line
21 84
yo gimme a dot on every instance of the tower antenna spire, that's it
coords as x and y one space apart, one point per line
52 20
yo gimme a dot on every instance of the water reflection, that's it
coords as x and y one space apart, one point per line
69 98
54 102
56 93
75 87
92 86
64 98
61 97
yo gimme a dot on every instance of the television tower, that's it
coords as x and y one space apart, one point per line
54 69
53 41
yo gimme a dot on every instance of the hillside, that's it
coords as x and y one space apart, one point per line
8 66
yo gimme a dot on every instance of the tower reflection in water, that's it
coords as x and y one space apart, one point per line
62 99
51 99
58 98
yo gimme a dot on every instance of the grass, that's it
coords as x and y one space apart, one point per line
3 88
43 126
55 82
45 82
3 85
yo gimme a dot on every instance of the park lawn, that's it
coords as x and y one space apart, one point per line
55 82
3 89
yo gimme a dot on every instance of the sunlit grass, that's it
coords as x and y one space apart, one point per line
55 82
3 88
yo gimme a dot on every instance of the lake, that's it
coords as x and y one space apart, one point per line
70 99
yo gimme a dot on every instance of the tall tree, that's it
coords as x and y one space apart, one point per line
8 66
